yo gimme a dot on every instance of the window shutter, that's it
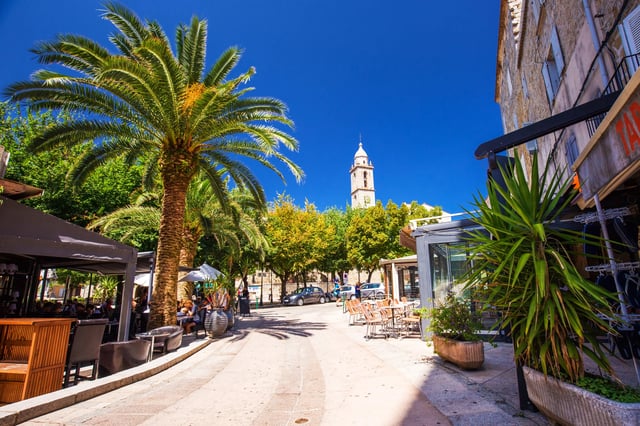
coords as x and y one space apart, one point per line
535 6
632 31
547 81
557 51
571 150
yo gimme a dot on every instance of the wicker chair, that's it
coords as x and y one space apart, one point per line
118 356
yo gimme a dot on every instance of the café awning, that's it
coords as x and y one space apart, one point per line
29 235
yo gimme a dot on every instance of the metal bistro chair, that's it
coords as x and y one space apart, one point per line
202 314
84 349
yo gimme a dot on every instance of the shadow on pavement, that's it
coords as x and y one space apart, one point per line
273 325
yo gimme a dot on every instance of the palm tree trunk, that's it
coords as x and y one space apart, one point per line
188 251
164 297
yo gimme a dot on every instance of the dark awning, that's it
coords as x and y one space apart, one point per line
30 235
546 126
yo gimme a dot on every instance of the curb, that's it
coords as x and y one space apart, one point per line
21 411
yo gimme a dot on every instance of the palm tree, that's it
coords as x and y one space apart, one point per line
234 229
147 104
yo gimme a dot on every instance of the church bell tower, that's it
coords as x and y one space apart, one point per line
363 194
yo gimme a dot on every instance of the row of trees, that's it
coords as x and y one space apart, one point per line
151 148
285 238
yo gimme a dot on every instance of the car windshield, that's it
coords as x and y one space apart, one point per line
299 290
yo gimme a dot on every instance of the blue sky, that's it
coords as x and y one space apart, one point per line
414 79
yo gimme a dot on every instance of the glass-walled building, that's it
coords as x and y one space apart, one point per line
442 261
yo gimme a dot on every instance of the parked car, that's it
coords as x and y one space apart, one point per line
372 291
333 295
305 295
348 292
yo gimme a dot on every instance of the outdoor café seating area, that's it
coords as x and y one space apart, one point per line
42 355
385 317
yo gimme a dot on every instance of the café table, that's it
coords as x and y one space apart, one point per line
152 338
394 308
184 318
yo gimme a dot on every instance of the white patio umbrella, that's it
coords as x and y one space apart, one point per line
204 272
142 279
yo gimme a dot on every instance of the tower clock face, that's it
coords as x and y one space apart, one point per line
367 200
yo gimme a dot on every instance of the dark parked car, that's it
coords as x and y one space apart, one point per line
305 295
372 291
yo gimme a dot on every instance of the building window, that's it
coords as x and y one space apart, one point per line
571 150
553 66
630 32
535 7
532 146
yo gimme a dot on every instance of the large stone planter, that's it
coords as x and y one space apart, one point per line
567 404
215 323
466 355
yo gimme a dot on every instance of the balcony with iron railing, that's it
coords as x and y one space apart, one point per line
623 73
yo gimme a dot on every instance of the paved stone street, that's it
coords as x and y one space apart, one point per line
306 365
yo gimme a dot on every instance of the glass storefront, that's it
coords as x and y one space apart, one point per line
448 265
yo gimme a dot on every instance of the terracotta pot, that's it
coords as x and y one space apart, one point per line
215 323
466 355
567 404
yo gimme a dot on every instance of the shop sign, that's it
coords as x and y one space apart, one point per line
614 151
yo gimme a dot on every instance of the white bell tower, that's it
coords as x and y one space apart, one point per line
363 193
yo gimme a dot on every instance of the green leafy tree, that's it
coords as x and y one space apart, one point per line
397 217
296 238
106 190
368 239
228 228
149 104
334 258
244 244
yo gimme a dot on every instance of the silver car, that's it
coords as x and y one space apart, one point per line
372 291
348 292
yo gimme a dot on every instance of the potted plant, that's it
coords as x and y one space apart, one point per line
523 260
216 321
454 326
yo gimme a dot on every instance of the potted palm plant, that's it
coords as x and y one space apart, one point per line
216 321
523 259
454 326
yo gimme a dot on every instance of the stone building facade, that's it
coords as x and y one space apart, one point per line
554 55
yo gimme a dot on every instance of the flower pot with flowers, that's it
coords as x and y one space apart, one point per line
523 257
454 326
